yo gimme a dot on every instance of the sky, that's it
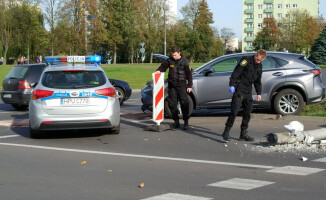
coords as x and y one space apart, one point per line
228 13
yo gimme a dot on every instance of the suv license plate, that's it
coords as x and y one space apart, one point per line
75 101
7 96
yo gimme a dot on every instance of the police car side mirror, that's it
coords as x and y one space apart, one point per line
208 71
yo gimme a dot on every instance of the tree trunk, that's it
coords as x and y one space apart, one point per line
151 58
115 57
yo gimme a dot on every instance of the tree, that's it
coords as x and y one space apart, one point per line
226 34
318 50
5 27
298 31
268 36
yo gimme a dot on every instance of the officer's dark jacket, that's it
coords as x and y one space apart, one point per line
246 73
179 71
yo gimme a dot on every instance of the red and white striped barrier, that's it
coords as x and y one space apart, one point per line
158 97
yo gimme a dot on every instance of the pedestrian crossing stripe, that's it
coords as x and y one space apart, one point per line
295 170
320 160
241 184
173 196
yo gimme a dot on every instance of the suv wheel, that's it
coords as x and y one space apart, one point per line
34 134
115 130
168 112
288 102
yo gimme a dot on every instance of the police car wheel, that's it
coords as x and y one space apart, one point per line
34 134
115 130
288 102
168 113
121 95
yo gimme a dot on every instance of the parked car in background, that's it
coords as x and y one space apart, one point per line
289 81
17 90
123 89
73 96
16 86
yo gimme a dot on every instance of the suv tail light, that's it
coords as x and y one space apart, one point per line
24 85
38 94
316 72
109 92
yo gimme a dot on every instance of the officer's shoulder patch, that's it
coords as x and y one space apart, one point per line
171 65
244 62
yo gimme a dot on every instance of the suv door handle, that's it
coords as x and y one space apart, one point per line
277 74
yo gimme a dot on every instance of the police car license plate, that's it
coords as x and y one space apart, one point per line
75 101
7 96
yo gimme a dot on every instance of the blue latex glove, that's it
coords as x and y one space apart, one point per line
231 89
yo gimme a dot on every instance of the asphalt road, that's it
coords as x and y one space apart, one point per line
174 164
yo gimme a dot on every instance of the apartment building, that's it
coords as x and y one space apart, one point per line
254 12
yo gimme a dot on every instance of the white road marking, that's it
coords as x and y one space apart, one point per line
141 156
8 136
320 160
173 196
294 170
241 184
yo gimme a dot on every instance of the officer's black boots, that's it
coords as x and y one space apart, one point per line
186 125
176 124
245 137
226 132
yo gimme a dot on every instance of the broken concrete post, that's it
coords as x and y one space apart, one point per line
299 136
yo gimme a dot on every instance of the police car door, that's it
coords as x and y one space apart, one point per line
213 86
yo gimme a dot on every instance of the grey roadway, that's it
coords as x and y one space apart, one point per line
175 161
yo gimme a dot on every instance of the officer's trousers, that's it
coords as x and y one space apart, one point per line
240 99
175 94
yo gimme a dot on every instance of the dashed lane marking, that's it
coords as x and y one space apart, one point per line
320 160
173 196
241 184
142 156
294 170
8 136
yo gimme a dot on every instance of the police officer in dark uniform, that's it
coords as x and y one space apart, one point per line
246 73
179 73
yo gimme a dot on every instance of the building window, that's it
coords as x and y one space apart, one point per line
250 35
288 6
279 15
287 16
269 15
260 16
249 44
279 25
279 5
250 6
260 25
260 6
294 5
251 25
250 16
269 6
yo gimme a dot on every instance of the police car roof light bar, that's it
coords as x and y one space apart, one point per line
73 59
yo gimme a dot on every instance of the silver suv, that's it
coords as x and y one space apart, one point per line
289 82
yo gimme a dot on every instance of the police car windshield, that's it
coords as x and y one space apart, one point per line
73 79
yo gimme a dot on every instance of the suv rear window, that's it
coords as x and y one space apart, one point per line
17 72
73 79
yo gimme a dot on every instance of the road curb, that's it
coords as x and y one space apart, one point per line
288 117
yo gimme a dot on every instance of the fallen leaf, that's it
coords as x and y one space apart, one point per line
145 140
83 163
110 170
141 185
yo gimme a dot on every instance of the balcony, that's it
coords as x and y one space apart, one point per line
249 29
269 10
249 11
249 20
268 1
249 48
249 39
249 2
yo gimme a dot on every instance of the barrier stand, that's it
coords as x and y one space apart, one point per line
158 103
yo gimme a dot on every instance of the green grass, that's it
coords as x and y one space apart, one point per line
323 66
318 110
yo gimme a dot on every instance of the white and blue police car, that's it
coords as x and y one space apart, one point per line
72 94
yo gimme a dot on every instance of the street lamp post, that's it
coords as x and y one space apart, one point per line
165 8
